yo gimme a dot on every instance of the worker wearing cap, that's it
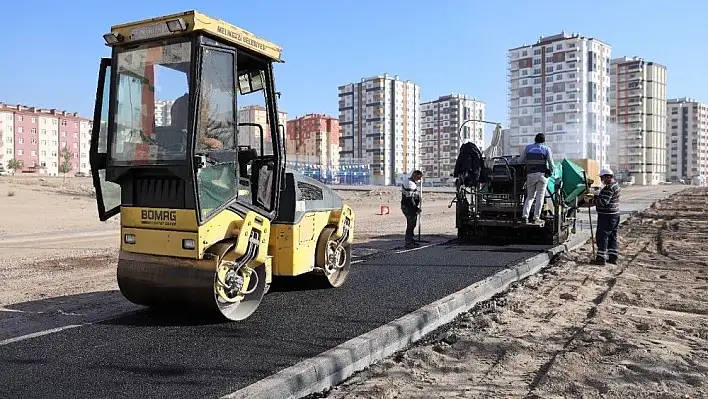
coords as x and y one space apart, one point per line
410 205
539 164
608 219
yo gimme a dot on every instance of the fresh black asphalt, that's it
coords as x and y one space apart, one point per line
145 354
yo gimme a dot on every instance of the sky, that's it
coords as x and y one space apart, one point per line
51 49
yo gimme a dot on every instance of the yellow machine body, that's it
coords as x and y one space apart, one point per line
294 246
206 222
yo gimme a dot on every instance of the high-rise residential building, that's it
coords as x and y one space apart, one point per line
163 115
687 126
560 86
314 138
638 119
37 137
251 135
380 126
441 137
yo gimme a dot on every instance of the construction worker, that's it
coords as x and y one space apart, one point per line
539 164
410 205
608 219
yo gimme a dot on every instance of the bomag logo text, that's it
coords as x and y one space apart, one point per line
158 218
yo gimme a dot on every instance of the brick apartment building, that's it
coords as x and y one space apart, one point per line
314 139
36 136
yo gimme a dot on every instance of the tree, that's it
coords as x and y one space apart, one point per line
66 165
15 164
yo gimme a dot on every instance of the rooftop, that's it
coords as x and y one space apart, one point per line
543 40
40 111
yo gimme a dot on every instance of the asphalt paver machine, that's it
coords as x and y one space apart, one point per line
490 192
209 214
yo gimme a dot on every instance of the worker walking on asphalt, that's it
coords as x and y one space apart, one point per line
608 218
539 164
410 205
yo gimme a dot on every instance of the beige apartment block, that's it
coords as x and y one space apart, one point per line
380 126
441 138
687 126
638 121
560 86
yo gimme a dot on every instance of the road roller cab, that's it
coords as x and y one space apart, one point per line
208 212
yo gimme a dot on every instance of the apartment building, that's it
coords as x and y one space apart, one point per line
314 138
36 137
380 126
163 115
441 138
638 119
251 135
687 126
560 86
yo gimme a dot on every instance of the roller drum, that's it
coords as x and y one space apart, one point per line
182 285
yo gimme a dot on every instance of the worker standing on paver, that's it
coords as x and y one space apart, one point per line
410 205
539 165
608 219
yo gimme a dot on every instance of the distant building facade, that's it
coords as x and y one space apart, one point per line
37 136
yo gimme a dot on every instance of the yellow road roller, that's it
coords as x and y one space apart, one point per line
195 168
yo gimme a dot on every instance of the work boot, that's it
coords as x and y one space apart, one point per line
599 261
411 245
612 260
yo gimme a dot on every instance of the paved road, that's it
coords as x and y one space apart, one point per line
143 354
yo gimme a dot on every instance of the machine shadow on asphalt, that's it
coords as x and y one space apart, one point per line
156 317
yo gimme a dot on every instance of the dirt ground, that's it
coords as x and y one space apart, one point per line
635 330
38 270
30 205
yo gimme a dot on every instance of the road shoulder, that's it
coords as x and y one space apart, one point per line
638 329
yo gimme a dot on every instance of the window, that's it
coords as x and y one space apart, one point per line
218 97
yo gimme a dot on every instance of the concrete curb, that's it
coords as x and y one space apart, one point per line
334 366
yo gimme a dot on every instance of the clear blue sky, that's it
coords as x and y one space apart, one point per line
51 49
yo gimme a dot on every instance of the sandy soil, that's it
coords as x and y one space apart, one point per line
67 266
635 330
29 205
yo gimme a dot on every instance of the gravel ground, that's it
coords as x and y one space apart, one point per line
635 330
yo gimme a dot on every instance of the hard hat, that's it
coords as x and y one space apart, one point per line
606 171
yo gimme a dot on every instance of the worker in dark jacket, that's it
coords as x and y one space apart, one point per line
410 205
608 219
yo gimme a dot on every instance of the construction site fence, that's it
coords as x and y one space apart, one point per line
345 173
